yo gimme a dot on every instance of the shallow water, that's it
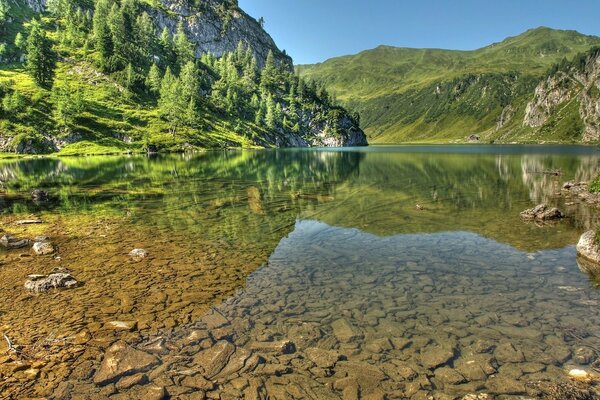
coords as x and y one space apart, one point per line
324 249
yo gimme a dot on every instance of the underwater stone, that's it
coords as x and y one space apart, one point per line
43 283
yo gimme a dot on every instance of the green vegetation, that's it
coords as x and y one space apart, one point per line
595 185
432 95
99 78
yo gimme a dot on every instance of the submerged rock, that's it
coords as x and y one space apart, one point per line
28 222
123 360
43 248
138 254
10 242
43 283
589 249
39 195
542 212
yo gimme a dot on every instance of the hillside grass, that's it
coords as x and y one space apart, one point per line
435 95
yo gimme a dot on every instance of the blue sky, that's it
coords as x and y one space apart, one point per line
315 30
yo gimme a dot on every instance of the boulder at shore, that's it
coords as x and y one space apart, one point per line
542 213
588 249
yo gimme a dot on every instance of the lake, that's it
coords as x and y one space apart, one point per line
381 272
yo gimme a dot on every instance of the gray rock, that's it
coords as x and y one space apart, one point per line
10 242
588 247
344 331
43 248
542 212
123 360
43 283
138 254
584 355
435 356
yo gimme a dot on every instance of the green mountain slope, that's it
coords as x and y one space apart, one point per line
443 95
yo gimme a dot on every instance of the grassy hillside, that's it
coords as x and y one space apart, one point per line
443 95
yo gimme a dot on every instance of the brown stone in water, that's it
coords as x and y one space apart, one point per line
506 353
130 381
213 360
214 320
279 347
344 331
449 375
122 325
197 382
122 360
435 356
323 358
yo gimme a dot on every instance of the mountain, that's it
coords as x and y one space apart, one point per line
425 95
96 76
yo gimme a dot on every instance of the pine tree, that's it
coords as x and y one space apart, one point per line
102 34
268 77
190 85
171 104
4 7
146 36
41 59
20 41
184 49
154 79
270 117
68 103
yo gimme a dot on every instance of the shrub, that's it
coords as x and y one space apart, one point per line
595 185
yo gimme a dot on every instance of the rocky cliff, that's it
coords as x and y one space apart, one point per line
218 26
577 81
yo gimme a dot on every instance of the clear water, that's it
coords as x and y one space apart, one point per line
409 263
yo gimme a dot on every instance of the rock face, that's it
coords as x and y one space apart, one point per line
217 26
588 247
576 82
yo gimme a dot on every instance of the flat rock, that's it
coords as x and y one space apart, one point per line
506 353
214 359
122 360
122 325
214 320
344 331
449 375
323 358
10 242
28 222
435 356
277 347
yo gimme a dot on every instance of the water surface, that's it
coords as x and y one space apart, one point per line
409 265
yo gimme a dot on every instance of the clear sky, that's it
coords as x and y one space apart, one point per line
314 30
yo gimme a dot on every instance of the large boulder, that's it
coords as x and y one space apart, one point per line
588 251
43 283
542 212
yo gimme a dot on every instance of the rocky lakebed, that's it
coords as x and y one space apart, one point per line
170 296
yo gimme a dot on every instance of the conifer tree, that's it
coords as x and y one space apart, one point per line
171 104
41 59
154 79
190 85
102 33
184 48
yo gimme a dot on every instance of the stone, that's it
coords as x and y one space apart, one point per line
43 283
153 392
278 347
130 381
122 325
214 320
43 248
138 254
506 353
39 195
214 359
449 375
197 382
589 249
122 360
584 355
435 356
580 375
542 212
344 331
28 222
323 358
10 242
